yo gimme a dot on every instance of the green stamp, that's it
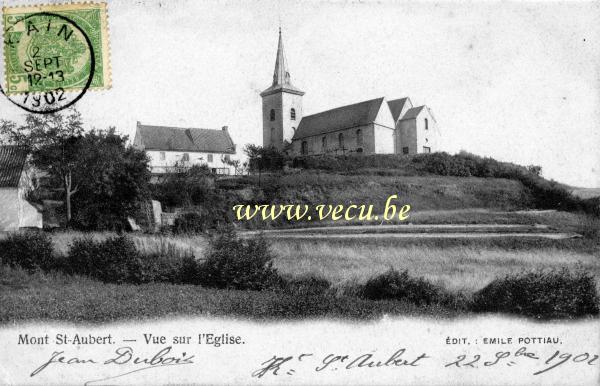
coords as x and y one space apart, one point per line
53 49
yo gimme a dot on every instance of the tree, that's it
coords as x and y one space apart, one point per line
101 178
113 180
237 165
185 187
52 141
264 159
535 169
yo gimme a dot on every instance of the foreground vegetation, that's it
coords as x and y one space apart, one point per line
458 265
110 278
56 296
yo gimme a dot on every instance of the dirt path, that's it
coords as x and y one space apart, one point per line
406 231
433 235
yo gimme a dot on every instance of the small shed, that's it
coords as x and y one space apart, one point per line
15 183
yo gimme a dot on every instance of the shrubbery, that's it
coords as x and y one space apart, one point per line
401 286
238 264
541 294
307 285
547 194
115 259
189 223
30 250
247 264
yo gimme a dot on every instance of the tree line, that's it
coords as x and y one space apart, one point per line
98 176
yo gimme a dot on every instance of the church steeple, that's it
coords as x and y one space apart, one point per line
281 105
281 76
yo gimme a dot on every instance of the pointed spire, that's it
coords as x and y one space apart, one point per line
281 76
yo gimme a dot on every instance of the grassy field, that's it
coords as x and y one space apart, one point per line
586 192
55 296
461 266
148 244
457 268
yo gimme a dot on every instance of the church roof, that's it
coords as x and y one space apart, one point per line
396 107
281 75
183 139
340 118
412 113
12 162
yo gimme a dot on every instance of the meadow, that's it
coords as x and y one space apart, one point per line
460 266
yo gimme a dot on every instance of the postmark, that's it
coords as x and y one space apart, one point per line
53 54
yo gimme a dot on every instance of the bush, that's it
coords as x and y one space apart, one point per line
541 294
238 264
189 223
401 286
115 259
307 285
547 194
30 250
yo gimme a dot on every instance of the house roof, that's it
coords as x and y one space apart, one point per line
412 113
184 139
340 118
12 162
396 107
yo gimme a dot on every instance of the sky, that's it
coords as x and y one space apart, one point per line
518 82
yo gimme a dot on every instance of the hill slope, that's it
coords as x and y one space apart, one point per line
422 193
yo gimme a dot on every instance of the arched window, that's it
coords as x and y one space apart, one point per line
359 138
341 141
272 116
324 144
272 134
185 157
304 149
293 114
426 124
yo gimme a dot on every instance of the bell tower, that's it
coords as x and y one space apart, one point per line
281 105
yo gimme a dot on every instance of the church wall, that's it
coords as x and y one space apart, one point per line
412 134
427 137
270 137
283 125
383 139
383 131
290 125
350 142
407 130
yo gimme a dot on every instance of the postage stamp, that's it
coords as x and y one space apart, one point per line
55 49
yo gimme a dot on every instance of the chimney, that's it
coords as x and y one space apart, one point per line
225 128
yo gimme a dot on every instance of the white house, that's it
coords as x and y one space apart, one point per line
15 183
176 147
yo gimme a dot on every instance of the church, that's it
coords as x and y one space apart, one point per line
376 126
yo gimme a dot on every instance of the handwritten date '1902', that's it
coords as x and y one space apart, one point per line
287 365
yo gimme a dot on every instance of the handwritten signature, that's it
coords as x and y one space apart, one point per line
334 362
122 356
278 365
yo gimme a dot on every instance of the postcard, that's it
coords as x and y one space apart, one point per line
299 192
